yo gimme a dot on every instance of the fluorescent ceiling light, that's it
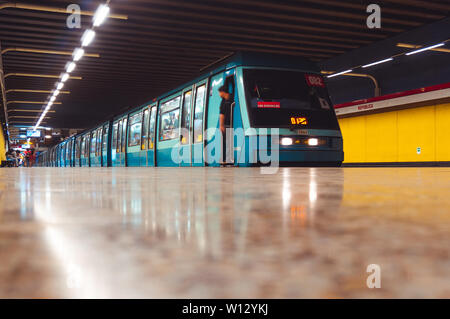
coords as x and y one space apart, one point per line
378 62
77 54
53 98
49 104
425 49
59 86
56 93
336 74
48 136
101 14
87 37
64 77
70 66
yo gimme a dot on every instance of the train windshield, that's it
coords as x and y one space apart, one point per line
278 98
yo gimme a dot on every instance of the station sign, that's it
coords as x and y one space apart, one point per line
31 133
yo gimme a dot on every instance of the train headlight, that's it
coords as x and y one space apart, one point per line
313 142
286 141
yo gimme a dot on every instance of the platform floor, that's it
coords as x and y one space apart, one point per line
209 232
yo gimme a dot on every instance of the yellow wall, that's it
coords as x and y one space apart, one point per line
2 146
395 136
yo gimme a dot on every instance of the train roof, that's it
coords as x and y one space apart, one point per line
252 59
241 58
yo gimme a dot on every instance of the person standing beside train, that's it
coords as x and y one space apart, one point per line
225 117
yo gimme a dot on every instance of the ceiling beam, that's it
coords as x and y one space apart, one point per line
35 91
55 10
41 76
29 50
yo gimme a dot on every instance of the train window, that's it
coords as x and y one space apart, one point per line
105 140
114 137
124 134
93 141
186 117
144 140
151 129
134 131
276 97
169 121
119 136
198 113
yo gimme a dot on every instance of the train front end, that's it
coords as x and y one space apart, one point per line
291 114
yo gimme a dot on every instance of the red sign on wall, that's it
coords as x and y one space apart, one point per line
314 80
270 105
365 107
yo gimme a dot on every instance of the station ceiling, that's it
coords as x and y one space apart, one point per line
166 42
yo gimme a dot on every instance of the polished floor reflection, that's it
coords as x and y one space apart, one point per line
208 232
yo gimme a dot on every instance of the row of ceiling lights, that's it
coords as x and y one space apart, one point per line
88 36
390 59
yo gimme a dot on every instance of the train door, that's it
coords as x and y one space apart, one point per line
93 144
76 161
72 145
99 146
59 155
185 131
98 150
104 150
68 147
72 140
134 139
198 123
115 142
66 155
168 130
144 137
62 154
212 153
123 150
151 154
88 149
83 158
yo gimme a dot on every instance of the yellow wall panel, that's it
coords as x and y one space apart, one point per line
416 129
395 136
2 146
354 147
381 137
443 132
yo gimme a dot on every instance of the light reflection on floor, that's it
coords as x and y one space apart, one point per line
206 232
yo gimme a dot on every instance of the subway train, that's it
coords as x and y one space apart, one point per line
281 114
